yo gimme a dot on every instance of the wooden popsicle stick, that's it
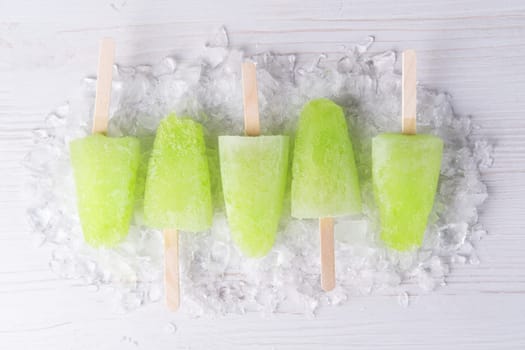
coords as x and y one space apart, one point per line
171 268
103 91
408 115
326 231
250 99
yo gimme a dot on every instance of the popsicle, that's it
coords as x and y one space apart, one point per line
405 172
177 193
325 183
104 168
253 172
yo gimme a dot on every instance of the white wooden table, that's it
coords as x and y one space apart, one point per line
473 49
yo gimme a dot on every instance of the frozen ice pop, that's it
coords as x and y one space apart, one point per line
325 183
105 169
177 192
254 172
254 179
405 172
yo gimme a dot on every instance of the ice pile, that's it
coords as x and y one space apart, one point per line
216 279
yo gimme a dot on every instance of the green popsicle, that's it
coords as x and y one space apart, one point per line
324 174
177 192
254 171
105 171
405 172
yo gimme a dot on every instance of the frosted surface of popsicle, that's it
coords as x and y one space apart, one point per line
405 171
105 171
324 175
177 192
254 173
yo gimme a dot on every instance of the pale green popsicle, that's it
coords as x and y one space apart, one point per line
105 171
324 175
405 172
254 173
177 193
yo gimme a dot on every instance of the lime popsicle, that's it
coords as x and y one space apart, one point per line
405 172
325 183
254 190
104 168
253 171
177 192
105 171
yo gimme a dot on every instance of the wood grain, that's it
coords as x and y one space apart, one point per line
472 49
171 269
409 92
103 89
326 233
250 99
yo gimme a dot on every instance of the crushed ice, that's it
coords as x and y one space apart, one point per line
216 279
